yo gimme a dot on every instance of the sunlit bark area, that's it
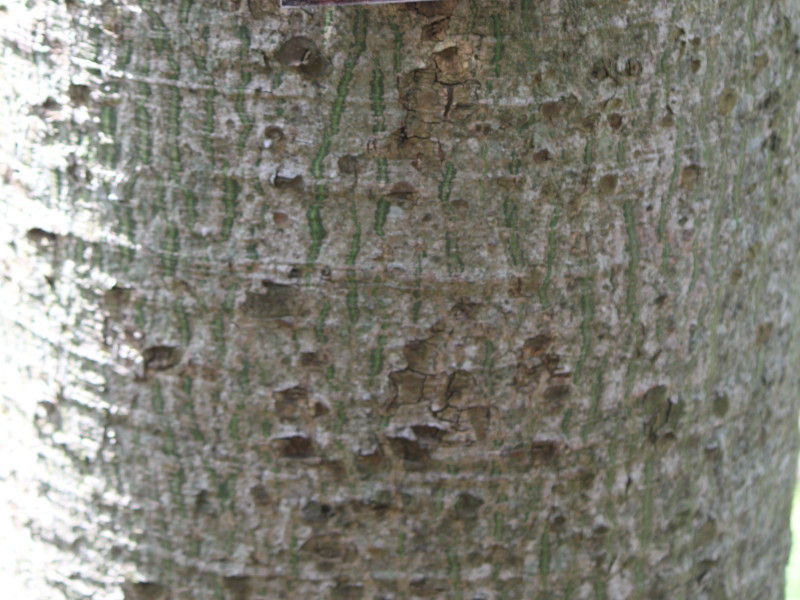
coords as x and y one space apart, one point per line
457 299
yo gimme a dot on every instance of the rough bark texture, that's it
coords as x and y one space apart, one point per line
450 300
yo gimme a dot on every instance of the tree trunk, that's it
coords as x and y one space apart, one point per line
471 299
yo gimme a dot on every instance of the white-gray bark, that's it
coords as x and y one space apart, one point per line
453 299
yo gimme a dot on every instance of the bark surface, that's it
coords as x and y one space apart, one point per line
441 300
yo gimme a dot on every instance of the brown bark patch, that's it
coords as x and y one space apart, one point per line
667 120
408 448
633 68
260 495
290 402
313 360
558 389
462 101
654 399
661 415
599 71
428 588
348 164
608 183
543 452
552 111
237 586
478 417
282 182
161 358
316 512
41 238
320 409
144 590
331 547
293 446
347 591
425 154
203 505
516 458
535 346
301 53
369 461
449 67
705 534
434 32
467 506
527 284
402 193
274 139
117 298
79 94
482 129
764 332
459 388
420 356
690 177
418 90
534 358
429 433
443 8
585 478
588 123
727 101
408 386
464 308
720 405
279 301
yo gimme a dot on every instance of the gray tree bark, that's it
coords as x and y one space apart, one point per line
471 299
